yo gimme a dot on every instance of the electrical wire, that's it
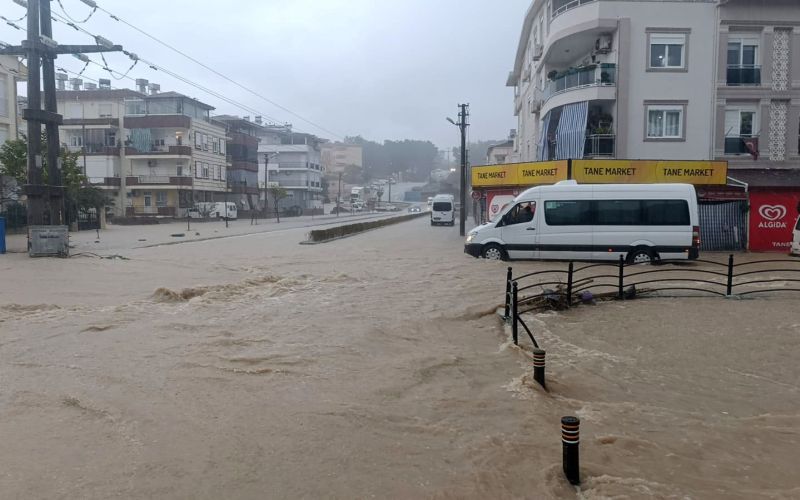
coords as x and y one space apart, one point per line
187 56
157 67
11 22
61 5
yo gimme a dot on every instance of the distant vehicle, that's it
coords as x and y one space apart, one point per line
357 206
414 209
443 210
796 238
430 203
641 222
214 210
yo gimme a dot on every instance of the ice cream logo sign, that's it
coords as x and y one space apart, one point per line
772 215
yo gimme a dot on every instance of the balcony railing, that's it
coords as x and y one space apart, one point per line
744 74
162 150
600 75
559 6
159 179
736 145
599 145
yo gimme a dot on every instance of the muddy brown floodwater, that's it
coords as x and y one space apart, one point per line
374 366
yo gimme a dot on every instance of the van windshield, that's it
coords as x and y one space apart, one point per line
442 206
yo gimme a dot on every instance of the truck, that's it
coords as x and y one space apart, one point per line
214 210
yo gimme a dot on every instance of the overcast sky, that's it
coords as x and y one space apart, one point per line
383 69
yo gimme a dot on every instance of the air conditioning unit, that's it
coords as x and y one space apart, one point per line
538 50
603 44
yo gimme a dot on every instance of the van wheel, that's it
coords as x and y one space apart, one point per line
493 251
641 255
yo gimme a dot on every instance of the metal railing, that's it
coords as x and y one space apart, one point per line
557 11
599 75
578 281
599 145
743 74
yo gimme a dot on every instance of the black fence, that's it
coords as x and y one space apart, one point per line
579 282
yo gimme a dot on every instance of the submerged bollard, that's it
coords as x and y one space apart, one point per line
538 366
570 443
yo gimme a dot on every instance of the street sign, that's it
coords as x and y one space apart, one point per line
476 195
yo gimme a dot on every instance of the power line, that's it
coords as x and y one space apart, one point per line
157 67
187 56
61 5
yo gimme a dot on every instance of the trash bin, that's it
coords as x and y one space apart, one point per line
2 235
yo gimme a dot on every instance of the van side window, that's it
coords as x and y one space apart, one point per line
665 213
520 214
568 213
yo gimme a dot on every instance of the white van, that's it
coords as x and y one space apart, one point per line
796 239
641 222
215 210
443 210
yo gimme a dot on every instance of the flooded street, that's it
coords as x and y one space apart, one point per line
374 366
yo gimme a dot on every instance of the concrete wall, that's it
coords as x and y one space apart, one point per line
8 97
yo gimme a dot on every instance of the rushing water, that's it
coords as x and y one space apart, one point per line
374 366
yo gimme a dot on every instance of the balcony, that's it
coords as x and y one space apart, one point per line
598 75
158 179
740 75
737 145
561 6
105 181
161 150
599 146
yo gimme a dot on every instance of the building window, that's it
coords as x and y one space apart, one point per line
205 142
3 99
215 144
161 198
179 170
743 67
667 51
148 199
198 140
740 128
104 110
75 141
198 169
222 172
665 122
205 171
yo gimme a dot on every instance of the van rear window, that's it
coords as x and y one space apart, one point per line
442 206
617 213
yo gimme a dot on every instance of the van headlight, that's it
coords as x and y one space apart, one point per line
470 237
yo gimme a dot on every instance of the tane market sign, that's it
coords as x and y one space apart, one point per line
601 172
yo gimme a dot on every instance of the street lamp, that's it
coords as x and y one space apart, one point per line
462 126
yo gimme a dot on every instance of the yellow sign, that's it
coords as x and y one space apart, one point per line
542 172
494 175
649 171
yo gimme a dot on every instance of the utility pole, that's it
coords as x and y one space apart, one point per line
339 198
462 125
45 202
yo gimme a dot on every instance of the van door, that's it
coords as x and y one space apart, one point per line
566 231
518 231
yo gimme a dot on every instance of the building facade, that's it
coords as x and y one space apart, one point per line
12 71
294 163
337 156
244 164
157 154
667 80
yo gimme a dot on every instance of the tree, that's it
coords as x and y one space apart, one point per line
278 193
13 169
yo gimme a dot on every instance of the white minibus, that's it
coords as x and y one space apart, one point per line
566 221
443 210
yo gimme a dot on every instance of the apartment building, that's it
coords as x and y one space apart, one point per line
156 153
684 80
12 71
242 147
337 156
294 164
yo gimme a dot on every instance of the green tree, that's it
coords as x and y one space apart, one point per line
278 193
13 169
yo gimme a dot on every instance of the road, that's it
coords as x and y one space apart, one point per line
374 366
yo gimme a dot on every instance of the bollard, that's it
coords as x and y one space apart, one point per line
621 292
570 273
538 366
729 285
570 443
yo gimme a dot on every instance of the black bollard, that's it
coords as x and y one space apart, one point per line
570 443
538 366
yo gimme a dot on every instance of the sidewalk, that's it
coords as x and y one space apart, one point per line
117 238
